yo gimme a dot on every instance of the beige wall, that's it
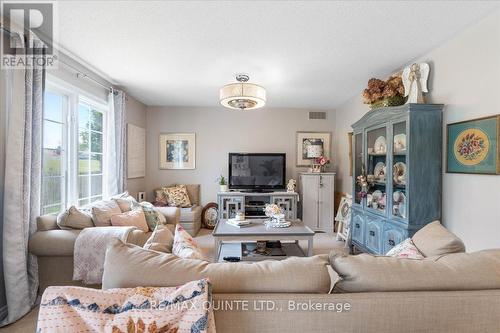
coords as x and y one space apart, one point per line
465 77
220 131
135 115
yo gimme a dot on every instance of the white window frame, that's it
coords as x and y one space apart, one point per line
73 97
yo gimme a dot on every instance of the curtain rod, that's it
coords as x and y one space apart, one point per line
79 73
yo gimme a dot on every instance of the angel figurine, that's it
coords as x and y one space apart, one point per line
415 82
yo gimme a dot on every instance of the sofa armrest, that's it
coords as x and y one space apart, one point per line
172 214
47 222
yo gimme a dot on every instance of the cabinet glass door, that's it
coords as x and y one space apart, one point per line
376 169
399 170
358 166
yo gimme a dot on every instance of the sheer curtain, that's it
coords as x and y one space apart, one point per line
116 175
21 186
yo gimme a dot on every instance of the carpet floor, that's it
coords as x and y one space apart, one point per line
323 243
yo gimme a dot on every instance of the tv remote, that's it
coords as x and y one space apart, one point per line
232 259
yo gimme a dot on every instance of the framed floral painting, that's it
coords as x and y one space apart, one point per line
305 139
473 146
177 151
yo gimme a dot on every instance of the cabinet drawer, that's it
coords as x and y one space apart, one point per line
357 226
373 234
392 237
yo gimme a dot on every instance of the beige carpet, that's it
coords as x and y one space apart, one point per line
323 243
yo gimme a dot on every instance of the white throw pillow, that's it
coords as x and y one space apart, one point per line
184 245
405 249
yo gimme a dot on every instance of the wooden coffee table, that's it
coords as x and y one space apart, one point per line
224 232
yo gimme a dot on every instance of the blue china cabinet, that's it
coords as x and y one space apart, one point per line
399 150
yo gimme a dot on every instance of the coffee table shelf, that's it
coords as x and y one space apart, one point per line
224 233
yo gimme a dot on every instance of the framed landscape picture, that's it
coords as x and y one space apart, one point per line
305 139
177 151
472 146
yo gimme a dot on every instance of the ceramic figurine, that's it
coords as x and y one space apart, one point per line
290 187
415 82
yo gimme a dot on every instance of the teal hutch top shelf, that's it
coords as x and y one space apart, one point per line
399 149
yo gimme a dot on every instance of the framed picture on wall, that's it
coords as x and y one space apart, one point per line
473 146
177 151
305 139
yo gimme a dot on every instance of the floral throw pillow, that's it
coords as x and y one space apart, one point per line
153 217
161 197
405 249
184 245
177 196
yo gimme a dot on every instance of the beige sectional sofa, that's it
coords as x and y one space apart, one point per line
54 248
293 295
448 291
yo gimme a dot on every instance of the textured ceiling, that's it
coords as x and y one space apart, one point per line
307 54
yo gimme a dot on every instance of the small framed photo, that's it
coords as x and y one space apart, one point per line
472 146
177 151
305 139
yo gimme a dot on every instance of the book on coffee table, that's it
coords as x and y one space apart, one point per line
249 252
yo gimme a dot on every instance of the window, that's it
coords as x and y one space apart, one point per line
73 149
54 153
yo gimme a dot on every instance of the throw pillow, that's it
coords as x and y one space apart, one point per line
126 204
177 196
73 218
161 197
102 212
134 218
153 217
184 245
435 240
161 240
405 249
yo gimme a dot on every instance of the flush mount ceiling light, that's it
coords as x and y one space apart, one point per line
242 95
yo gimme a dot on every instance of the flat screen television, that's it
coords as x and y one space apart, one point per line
257 171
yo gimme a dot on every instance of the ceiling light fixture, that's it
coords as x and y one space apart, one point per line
242 95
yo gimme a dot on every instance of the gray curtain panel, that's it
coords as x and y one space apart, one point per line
21 206
117 152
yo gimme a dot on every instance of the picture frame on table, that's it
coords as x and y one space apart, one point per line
304 139
177 151
472 146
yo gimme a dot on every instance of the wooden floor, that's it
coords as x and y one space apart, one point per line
323 243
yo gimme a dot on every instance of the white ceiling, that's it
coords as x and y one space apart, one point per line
308 54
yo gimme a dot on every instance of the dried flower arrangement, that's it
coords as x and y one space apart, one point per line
381 93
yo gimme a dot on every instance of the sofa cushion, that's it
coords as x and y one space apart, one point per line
130 266
435 240
74 218
457 271
133 218
61 243
53 242
102 212
46 222
161 240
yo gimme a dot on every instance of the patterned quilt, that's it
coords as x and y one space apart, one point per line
131 310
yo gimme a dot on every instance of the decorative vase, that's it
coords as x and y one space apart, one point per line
224 188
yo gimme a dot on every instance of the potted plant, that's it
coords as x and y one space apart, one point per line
222 183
